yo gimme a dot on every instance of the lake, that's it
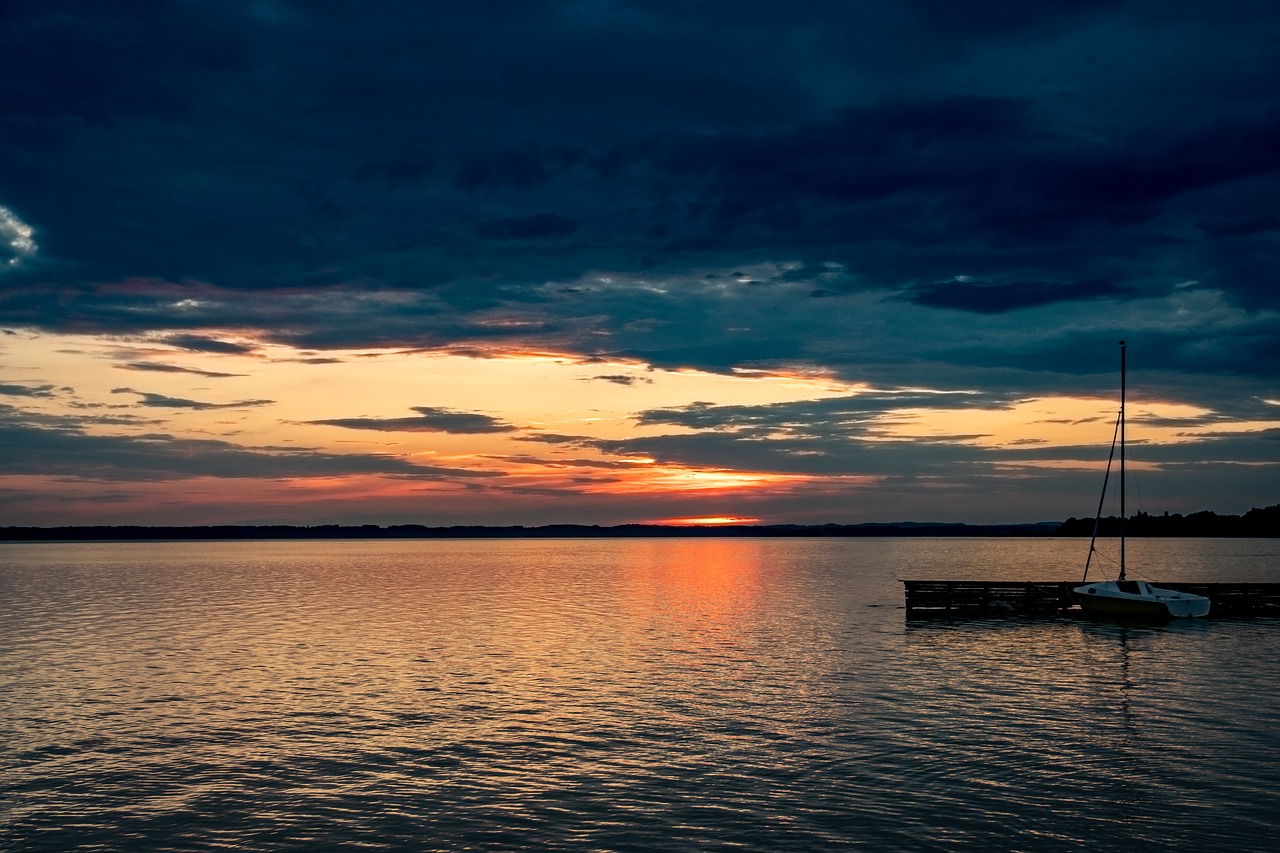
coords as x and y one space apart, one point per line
622 694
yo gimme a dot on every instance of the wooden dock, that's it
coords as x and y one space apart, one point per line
932 599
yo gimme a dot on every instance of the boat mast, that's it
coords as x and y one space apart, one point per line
1102 500
1122 394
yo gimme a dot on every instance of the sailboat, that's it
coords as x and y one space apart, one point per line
1122 597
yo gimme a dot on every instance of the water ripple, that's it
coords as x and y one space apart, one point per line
621 695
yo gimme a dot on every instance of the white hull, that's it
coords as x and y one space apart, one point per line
1139 598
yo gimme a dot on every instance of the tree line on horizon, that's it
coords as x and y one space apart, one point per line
1256 523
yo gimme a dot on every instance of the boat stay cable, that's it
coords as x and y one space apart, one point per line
1101 499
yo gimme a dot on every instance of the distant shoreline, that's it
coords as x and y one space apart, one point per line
1257 523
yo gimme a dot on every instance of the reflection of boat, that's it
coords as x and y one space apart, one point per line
1122 597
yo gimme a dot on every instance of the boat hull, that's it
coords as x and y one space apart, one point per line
1139 599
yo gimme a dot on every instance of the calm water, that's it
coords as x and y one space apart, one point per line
618 695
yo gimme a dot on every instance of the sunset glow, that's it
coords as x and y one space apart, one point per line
707 520
436 437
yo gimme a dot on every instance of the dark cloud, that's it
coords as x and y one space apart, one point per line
429 419
540 462
839 416
160 401
553 438
988 298
830 457
157 367
620 379
537 226
13 390
199 343
57 447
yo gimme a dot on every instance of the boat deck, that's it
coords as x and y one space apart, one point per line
944 598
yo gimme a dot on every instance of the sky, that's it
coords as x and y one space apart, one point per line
617 261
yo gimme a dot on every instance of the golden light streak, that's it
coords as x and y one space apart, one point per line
709 520
678 478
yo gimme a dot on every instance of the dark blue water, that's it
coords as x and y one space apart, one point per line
618 695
